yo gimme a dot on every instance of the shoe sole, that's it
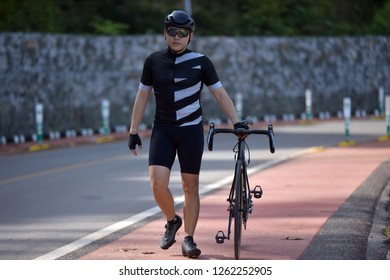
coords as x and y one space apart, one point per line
194 254
167 246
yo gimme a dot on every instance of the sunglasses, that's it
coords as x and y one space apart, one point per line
180 32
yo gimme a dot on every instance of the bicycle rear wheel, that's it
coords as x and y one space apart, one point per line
238 206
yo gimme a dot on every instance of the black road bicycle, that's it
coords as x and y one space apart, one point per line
240 196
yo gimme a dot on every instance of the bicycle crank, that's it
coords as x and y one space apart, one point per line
220 237
257 192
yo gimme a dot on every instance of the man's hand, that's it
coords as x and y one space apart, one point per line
241 124
134 140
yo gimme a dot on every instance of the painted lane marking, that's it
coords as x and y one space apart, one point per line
58 170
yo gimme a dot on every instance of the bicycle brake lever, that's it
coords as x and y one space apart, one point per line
249 122
210 137
271 137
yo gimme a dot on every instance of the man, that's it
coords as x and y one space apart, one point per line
177 76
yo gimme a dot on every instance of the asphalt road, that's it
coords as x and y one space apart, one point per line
52 198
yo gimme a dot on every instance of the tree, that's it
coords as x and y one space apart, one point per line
381 23
217 17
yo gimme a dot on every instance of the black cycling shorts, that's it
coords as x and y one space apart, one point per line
186 141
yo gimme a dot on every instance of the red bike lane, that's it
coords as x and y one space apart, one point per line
299 196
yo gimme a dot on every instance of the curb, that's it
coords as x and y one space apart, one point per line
29 147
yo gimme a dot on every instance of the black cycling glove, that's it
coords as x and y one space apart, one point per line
241 124
133 141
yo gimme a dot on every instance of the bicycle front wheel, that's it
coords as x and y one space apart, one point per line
238 206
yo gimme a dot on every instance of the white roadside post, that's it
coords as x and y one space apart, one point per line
381 94
347 116
39 121
39 136
308 104
239 104
106 116
387 108
188 6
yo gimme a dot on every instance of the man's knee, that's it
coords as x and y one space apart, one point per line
190 184
159 178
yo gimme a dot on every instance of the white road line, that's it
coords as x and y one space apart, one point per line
86 240
62 251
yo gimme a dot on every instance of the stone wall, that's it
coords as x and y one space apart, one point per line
71 74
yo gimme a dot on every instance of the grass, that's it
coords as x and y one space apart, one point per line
347 143
386 231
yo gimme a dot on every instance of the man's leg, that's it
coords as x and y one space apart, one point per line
159 180
190 155
191 213
191 202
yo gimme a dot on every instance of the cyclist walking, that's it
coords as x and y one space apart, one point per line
177 76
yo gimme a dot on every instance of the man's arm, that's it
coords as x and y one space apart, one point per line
226 103
139 107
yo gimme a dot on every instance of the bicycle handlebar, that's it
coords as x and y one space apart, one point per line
241 133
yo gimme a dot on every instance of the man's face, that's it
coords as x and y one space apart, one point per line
177 38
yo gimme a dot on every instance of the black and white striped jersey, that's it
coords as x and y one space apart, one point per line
177 82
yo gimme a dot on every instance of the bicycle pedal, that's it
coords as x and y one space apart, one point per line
220 237
257 192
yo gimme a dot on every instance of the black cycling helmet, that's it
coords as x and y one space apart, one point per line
180 19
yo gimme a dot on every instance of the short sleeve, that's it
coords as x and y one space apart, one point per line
210 76
147 77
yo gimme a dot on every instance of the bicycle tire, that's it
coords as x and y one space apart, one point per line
238 206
